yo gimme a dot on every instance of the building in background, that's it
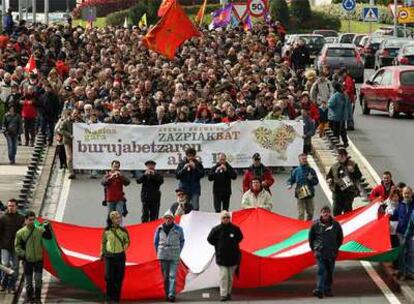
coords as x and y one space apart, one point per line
54 5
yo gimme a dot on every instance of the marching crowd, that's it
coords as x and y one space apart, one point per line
54 76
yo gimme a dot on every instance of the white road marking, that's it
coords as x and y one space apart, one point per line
63 199
389 295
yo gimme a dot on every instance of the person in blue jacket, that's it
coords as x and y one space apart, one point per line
189 172
339 111
8 22
305 179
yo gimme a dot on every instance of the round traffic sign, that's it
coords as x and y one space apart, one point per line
348 5
403 14
257 8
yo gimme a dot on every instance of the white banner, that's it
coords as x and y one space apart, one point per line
96 145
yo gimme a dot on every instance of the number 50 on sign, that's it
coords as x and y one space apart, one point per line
257 8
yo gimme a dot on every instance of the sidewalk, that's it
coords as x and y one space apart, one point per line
11 177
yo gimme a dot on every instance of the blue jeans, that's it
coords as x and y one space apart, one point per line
116 206
169 273
48 129
194 200
325 272
9 259
12 147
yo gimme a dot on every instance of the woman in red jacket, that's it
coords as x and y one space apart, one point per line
350 91
29 115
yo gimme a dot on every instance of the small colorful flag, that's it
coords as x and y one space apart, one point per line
222 16
200 15
234 21
143 22
31 65
247 25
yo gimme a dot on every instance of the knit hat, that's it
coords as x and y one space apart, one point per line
168 214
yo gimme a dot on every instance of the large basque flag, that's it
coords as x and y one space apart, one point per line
274 249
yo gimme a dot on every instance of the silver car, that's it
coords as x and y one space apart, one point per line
337 56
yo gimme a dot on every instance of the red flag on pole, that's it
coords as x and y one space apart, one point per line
200 15
170 32
165 5
31 65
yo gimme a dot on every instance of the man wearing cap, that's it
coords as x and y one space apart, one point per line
257 170
325 238
221 175
168 242
343 178
151 181
189 172
226 238
181 206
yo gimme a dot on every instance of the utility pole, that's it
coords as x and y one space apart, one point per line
34 11
395 17
371 4
46 12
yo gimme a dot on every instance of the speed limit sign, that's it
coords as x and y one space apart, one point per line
256 8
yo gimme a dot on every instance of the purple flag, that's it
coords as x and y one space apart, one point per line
222 16
247 25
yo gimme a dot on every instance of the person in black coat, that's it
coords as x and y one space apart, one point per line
151 181
221 175
226 238
325 238
300 56
51 106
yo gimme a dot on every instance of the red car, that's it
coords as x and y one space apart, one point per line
391 90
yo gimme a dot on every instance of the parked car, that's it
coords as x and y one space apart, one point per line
357 39
338 55
361 44
313 42
391 89
389 31
326 33
369 49
330 40
405 55
346 37
387 51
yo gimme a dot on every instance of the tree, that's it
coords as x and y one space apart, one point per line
300 10
279 11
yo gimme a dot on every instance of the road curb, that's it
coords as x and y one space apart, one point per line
324 153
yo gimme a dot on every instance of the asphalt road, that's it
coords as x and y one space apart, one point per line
385 142
83 207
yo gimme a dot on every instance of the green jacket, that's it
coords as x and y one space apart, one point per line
114 240
28 245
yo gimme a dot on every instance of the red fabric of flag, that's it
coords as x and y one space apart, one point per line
31 65
171 31
165 5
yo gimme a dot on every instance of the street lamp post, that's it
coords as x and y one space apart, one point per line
395 17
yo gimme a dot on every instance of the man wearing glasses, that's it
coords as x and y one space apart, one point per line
226 238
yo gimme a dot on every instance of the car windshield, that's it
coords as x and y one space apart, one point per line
313 40
340 52
408 49
376 40
395 43
407 78
347 38
326 33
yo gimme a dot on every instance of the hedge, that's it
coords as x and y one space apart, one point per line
319 20
356 15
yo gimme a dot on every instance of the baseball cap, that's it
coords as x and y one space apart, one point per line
256 156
